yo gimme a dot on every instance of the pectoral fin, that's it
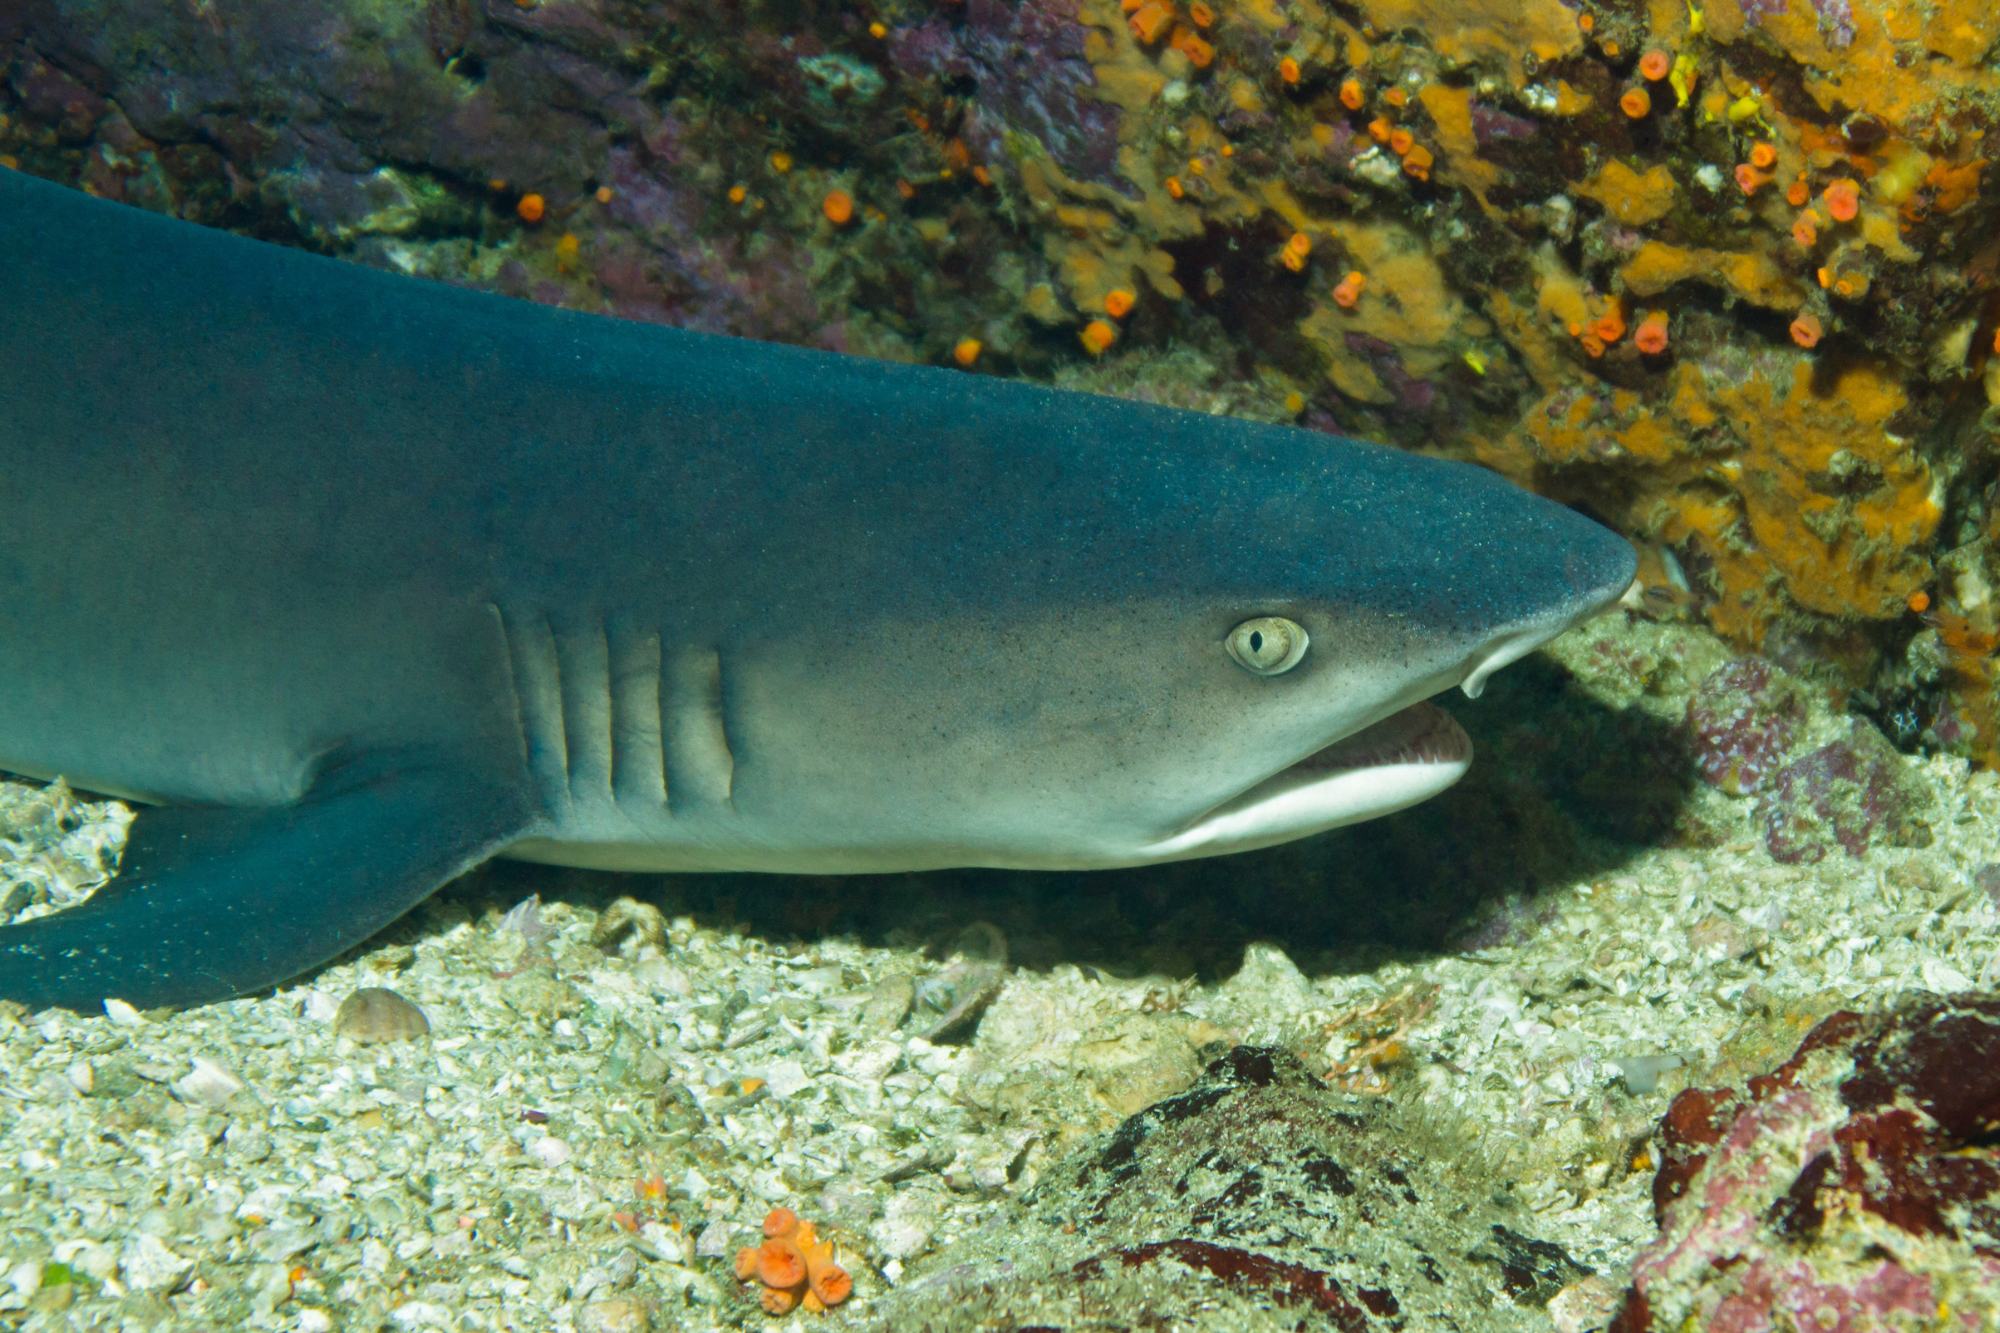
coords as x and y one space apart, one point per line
214 902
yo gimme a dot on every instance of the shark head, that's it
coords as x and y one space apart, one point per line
1166 636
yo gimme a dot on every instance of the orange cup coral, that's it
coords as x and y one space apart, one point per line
1655 65
531 208
1200 54
1843 200
1636 103
1610 326
838 207
1651 337
1348 290
1806 331
794 1266
1149 22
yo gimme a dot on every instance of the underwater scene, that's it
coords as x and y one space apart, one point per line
732 665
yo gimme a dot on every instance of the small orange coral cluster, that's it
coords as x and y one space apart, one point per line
794 1266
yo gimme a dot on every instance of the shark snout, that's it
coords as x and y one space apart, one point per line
1599 567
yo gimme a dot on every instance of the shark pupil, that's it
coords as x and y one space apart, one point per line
1256 642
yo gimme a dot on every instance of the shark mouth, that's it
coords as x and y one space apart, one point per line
1407 757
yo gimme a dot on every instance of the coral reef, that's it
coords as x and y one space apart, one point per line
1722 274
1855 1187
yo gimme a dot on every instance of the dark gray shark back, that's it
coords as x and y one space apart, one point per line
506 445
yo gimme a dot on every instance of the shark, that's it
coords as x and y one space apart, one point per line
352 581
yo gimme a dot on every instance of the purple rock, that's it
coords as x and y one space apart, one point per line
1030 77
1849 1189
1836 22
1742 719
1412 394
1491 123
1840 795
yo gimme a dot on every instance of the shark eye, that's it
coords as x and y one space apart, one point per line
1268 645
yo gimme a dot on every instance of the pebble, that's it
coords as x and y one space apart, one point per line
620 1314
375 1013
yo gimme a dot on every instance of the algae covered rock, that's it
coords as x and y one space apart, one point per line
1257 1199
1856 1186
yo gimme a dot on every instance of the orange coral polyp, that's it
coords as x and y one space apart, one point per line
779 1263
794 1266
1636 103
1118 303
1288 70
1203 16
1843 200
829 1284
838 207
1798 192
1763 157
1348 290
1806 331
1652 335
1655 65
1350 94
1401 141
1199 53
1806 230
1150 20
1097 337
531 208
1749 179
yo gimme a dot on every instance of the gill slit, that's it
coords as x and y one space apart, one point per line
536 677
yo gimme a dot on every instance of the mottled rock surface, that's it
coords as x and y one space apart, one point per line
1258 1198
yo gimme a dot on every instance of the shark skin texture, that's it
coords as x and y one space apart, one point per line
355 580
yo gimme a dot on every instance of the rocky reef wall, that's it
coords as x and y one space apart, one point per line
1721 275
